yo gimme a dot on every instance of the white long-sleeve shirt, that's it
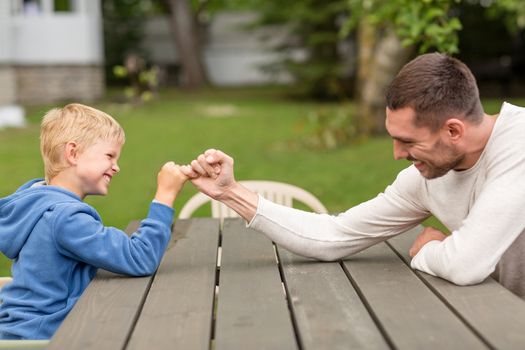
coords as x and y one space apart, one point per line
483 207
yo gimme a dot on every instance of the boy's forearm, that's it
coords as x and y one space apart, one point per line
165 197
241 200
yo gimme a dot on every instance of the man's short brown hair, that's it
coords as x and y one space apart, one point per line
437 87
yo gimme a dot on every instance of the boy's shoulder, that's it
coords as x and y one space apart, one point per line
21 211
36 190
35 197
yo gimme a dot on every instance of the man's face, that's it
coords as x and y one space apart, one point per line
430 152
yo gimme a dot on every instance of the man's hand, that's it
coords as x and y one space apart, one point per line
169 182
428 234
211 173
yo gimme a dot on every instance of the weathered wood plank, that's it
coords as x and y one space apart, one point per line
489 308
411 315
328 312
105 313
252 312
179 309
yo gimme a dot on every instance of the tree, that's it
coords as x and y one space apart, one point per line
186 34
389 32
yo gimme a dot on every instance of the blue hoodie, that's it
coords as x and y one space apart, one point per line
57 242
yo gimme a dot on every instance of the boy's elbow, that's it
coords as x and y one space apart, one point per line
150 270
145 268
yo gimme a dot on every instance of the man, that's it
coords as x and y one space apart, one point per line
468 170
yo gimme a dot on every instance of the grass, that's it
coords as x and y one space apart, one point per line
260 128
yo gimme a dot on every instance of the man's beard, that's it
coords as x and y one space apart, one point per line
451 159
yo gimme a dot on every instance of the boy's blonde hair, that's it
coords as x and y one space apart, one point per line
75 122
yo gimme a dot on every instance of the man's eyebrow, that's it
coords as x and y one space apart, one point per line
403 139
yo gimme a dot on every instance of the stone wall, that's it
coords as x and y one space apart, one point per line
59 83
7 85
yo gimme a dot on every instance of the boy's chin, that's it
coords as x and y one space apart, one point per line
98 193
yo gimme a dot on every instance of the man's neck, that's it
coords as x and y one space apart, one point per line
477 139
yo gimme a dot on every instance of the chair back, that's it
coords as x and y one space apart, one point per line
278 192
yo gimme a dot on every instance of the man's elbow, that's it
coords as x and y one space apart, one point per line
466 277
328 255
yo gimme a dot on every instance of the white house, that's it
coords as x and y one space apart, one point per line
50 54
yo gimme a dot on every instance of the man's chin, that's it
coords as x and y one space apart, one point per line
429 175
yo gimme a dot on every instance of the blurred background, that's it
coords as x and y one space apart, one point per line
293 90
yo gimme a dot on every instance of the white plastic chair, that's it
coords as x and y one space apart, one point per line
5 280
278 192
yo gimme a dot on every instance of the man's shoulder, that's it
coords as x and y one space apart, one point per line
510 117
409 180
410 174
508 131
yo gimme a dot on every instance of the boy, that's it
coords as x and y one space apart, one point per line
57 242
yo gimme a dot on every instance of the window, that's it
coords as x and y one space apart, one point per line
63 6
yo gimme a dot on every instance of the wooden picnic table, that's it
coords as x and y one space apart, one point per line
232 288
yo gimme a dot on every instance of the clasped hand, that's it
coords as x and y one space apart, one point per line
211 172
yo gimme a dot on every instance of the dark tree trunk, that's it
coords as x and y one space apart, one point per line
185 32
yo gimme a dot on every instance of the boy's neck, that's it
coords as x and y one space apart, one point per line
63 180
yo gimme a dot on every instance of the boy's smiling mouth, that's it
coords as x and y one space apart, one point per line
107 178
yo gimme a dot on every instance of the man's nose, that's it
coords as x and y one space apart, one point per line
399 150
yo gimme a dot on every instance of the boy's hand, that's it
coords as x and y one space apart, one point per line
169 182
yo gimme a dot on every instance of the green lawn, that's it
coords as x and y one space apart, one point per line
260 128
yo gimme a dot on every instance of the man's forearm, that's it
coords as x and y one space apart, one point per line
242 200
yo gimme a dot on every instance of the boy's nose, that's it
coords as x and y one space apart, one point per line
115 168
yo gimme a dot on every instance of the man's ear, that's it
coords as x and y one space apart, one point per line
454 129
71 152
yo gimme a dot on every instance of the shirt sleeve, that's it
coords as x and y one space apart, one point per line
470 254
80 235
331 237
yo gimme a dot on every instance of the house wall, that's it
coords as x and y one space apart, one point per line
56 83
59 38
7 85
7 77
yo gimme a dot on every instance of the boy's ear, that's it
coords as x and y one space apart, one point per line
71 152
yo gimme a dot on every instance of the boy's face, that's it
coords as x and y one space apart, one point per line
96 166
